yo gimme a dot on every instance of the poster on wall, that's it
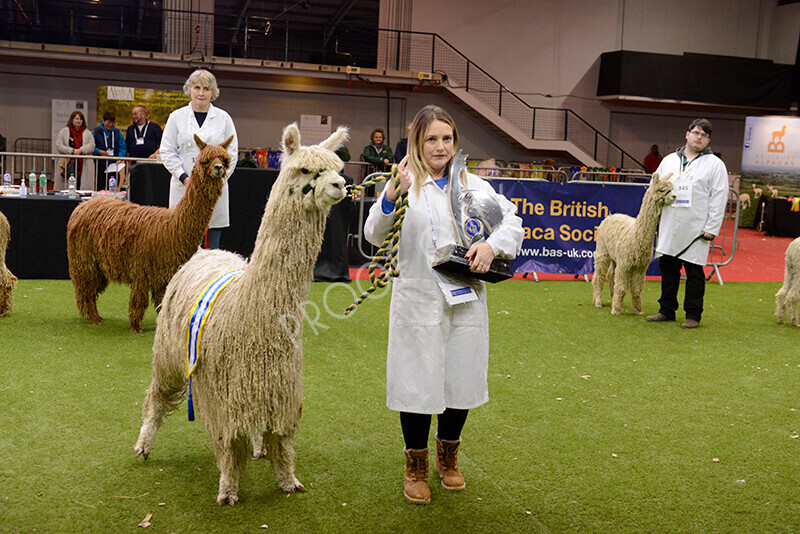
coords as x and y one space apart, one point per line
120 101
560 221
315 128
59 116
770 165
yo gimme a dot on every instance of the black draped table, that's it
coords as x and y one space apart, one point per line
779 219
38 247
248 192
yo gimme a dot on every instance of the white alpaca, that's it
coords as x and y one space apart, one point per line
788 295
757 192
625 247
248 381
744 199
773 192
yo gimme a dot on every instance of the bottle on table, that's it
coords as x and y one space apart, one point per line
23 190
7 180
32 184
43 184
112 185
71 187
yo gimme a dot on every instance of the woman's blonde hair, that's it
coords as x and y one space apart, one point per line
202 76
416 138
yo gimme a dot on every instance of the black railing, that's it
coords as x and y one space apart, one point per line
207 34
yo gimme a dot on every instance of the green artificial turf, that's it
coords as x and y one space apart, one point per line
595 424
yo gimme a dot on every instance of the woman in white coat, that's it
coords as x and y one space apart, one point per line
179 151
75 138
438 354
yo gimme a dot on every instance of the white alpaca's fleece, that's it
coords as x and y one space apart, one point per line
788 295
248 380
625 248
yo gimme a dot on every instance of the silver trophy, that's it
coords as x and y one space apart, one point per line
475 215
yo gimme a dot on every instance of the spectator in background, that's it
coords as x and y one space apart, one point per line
75 138
377 153
402 146
652 160
143 136
178 148
343 154
108 141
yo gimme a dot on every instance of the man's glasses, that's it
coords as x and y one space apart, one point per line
700 133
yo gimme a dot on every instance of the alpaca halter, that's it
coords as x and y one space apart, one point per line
310 186
387 264
200 312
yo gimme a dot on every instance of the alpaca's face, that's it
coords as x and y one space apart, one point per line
315 177
662 189
215 160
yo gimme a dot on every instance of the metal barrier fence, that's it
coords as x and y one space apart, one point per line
49 164
724 246
619 177
540 173
192 32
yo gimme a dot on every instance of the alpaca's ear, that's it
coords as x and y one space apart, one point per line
200 143
291 139
226 143
336 140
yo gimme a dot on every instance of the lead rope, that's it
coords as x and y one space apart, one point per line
386 264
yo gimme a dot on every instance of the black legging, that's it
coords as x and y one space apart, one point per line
417 426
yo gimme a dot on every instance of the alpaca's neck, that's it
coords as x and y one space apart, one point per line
194 209
281 268
647 221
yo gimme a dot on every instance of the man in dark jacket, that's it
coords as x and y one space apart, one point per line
108 141
143 136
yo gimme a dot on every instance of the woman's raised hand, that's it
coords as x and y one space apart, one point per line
403 176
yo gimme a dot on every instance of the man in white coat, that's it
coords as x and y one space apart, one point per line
687 226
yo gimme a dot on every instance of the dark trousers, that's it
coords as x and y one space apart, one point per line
213 236
671 279
416 426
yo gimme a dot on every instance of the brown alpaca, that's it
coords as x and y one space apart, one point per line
248 382
109 240
7 280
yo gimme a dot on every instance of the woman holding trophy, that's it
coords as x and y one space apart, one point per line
438 348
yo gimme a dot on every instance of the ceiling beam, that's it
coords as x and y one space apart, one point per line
337 17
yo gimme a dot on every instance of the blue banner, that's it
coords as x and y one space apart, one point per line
561 219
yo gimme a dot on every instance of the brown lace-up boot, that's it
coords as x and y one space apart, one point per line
415 479
447 464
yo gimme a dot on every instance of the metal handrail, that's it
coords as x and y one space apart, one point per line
616 176
553 175
35 156
412 51
722 237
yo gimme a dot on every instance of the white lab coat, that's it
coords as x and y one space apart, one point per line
437 355
708 178
179 151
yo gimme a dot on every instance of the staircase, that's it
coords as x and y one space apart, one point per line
546 130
